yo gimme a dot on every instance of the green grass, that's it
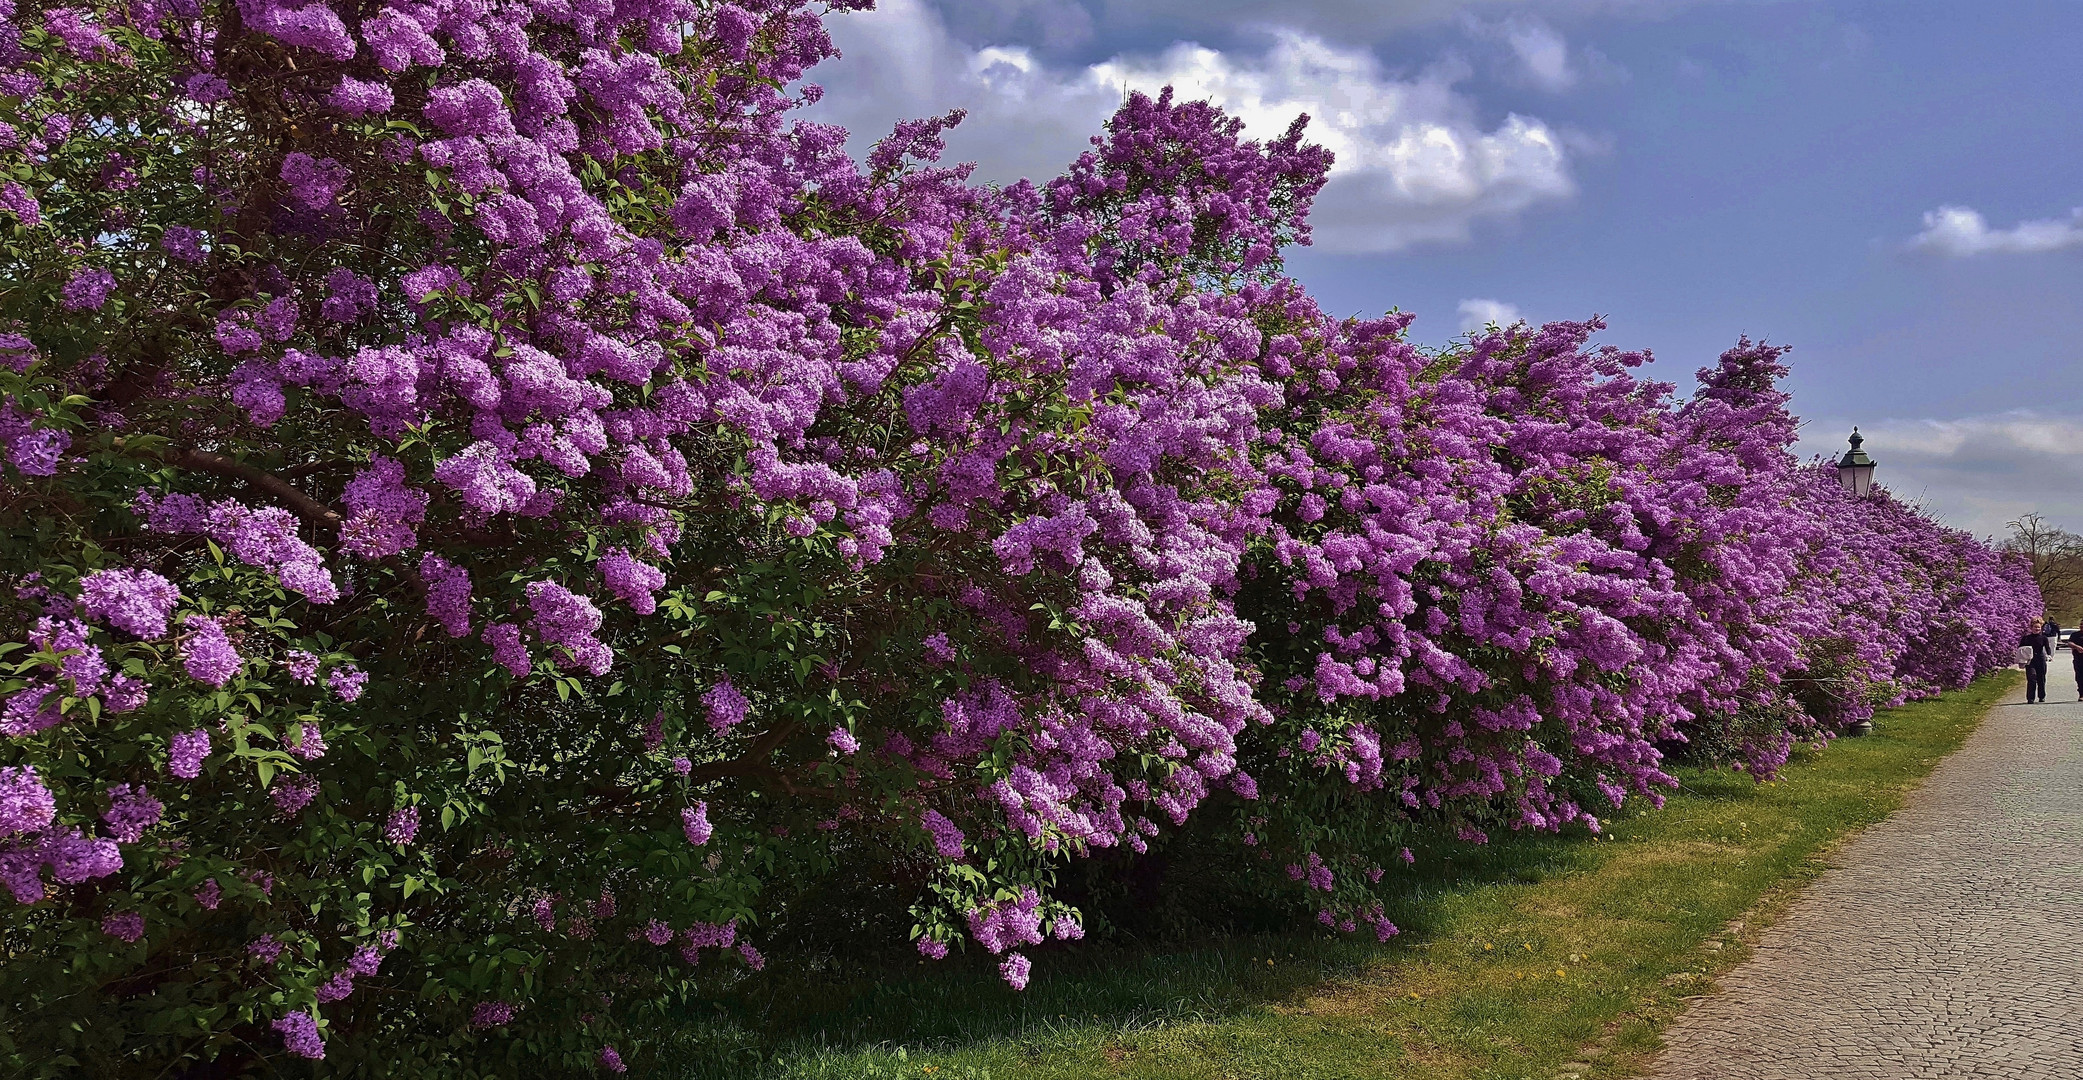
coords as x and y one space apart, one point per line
1517 957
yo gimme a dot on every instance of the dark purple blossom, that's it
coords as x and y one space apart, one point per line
300 1035
87 289
26 805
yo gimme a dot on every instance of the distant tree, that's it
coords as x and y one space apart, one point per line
2056 555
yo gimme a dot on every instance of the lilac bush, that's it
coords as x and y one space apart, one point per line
497 508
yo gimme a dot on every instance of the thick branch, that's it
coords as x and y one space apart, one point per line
300 504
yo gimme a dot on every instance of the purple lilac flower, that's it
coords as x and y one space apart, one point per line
126 926
402 827
694 821
30 711
631 579
183 243
612 1061
207 653
82 36
300 1035
134 601
17 353
15 198
751 956
349 296
448 593
87 289
38 451
357 98
314 182
726 706
292 795
682 766
206 89
347 681
70 855
843 741
1016 969
703 935
209 895
565 618
931 949
302 666
26 804
508 649
939 649
265 949
266 537
185 753
131 811
491 1014
947 839
309 743
338 987
383 512
126 693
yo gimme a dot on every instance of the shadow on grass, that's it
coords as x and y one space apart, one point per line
1092 991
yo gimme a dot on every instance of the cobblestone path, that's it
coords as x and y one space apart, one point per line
1944 942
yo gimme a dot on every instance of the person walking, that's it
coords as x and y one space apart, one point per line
2035 639
2076 659
2053 631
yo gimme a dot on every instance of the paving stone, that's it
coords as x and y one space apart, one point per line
1944 942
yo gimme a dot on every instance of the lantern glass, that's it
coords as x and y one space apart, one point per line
1857 480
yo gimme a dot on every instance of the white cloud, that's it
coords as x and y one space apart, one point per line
1479 313
899 61
1370 18
1959 231
1976 472
1542 52
1414 161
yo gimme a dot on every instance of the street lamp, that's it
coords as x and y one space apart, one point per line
1855 469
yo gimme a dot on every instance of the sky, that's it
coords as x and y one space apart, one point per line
1893 187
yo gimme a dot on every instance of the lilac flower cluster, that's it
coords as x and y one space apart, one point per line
266 537
131 811
26 805
300 1036
726 706
564 618
134 601
207 653
402 826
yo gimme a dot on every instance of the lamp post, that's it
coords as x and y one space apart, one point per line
1855 476
1855 469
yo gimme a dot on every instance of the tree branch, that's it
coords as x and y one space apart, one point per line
300 504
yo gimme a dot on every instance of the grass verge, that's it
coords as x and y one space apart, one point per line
1518 958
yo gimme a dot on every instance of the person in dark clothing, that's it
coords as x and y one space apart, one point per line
2076 659
2036 668
2053 631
